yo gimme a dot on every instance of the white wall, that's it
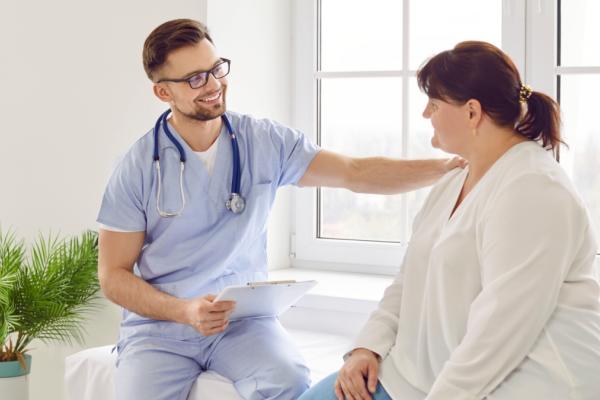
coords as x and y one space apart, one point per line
75 96
256 36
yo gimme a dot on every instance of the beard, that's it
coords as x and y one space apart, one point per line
207 113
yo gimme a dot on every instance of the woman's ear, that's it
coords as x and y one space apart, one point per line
475 112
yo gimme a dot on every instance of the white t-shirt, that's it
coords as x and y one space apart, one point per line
208 157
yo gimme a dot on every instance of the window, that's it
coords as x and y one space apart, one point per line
578 87
356 93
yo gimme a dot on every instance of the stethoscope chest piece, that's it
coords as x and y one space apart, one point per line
236 203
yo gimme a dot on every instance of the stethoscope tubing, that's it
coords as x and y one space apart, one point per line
235 178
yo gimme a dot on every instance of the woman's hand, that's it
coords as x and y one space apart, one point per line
350 384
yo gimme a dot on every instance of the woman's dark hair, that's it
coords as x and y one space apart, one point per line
168 37
481 71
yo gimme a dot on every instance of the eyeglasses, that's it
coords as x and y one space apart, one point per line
201 78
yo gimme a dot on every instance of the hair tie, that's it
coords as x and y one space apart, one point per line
525 93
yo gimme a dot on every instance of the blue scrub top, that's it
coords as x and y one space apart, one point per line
207 247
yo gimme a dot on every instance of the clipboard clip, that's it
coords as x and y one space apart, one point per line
266 283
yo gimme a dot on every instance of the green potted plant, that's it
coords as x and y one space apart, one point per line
43 295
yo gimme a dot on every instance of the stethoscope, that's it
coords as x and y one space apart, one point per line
236 202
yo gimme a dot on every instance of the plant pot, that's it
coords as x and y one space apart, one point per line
13 379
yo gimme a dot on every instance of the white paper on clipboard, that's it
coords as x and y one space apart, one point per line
264 299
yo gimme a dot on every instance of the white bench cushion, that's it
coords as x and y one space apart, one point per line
89 374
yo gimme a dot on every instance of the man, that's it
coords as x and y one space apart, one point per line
188 238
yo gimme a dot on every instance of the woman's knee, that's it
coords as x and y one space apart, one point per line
323 390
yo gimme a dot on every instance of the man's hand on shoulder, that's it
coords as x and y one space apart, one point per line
455 162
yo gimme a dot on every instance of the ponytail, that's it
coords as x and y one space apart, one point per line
541 121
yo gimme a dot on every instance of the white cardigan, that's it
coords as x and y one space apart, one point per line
506 285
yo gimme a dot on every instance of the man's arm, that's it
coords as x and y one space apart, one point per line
378 175
117 254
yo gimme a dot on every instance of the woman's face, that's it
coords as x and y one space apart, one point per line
451 129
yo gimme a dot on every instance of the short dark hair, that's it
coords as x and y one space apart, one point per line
168 37
481 71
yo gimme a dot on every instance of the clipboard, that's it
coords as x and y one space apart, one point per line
264 299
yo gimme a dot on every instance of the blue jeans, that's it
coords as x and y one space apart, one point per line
324 390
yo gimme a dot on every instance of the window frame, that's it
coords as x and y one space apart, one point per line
310 251
547 15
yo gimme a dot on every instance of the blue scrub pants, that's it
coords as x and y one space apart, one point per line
257 355
324 390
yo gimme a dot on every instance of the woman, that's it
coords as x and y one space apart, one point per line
497 297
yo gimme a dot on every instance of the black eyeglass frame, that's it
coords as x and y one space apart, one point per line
205 73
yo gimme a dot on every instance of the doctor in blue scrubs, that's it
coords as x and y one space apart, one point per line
185 214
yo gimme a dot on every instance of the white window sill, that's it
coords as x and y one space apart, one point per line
338 291
340 303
